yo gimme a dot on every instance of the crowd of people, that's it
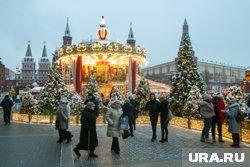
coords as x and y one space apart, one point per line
212 110
88 136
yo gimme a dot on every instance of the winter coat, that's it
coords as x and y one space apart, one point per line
233 125
63 116
128 110
7 104
135 105
113 119
222 115
154 108
88 127
206 109
164 110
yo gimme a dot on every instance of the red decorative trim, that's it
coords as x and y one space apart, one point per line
133 75
79 74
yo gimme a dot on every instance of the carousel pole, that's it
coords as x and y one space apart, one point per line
133 74
73 68
130 74
78 74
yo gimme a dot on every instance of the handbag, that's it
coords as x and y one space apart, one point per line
124 122
170 115
126 134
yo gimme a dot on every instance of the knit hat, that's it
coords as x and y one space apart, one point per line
206 97
63 100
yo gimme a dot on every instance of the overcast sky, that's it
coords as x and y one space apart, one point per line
219 29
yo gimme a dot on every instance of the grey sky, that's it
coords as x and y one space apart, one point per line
219 29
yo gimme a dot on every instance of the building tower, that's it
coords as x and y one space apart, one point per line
67 39
131 39
28 70
185 33
44 67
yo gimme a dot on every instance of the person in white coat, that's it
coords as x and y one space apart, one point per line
63 120
113 117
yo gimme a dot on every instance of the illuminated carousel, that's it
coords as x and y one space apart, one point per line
110 62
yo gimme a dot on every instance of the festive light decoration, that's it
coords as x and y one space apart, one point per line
103 32
185 78
28 104
235 93
53 90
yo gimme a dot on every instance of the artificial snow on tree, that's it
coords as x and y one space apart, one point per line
192 104
93 88
76 104
115 95
142 94
53 90
28 104
185 78
236 93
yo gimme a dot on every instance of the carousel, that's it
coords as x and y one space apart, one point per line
110 62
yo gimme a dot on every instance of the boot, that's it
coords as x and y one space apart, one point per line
166 138
202 139
214 141
162 140
92 154
220 139
207 140
77 152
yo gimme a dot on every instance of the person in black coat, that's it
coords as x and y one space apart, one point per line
7 104
88 135
135 112
128 111
154 107
164 122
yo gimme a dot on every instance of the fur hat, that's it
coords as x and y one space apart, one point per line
90 104
206 97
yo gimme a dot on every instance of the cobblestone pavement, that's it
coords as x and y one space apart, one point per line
33 145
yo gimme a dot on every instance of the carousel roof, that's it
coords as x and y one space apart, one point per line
103 50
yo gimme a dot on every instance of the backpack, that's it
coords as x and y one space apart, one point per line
240 116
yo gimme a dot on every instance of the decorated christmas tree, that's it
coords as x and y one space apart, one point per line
93 88
12 92
52 92
115 95
76 105
28 104
185 78
235 93
142 94
191 106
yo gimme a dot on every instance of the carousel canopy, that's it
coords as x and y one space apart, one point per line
103 50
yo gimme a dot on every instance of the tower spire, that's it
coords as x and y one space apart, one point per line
44 54
28 52
131 34
67 39
67 31
131 39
